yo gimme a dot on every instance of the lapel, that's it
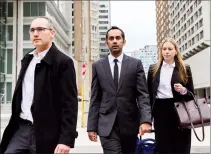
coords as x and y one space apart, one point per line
157 80
24 63
107 70
124 69
27 59
175 78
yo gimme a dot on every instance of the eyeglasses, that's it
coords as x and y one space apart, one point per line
38 29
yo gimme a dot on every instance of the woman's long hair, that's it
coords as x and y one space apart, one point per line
178 61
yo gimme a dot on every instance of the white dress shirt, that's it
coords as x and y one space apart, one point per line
164 89
28 85
112 63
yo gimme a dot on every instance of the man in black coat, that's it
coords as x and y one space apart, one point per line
44 105
120 106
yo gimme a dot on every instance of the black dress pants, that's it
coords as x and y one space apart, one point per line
117 143
170 139
23 141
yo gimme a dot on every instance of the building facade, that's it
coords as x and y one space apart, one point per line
104 25
94 29
162 20
148 55
19 15
85 34
190 27
3 21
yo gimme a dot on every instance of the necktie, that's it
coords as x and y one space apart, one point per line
116 73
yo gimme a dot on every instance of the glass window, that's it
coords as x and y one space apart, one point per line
102 39
2 60
200 11
189 43
26 50
193 41
197 37
26 35
103 28
9 61
9 92
102 33
10 9
9 32
103 22
201 23
26 9
3 34
103 11
41 8
102 6
103 16
34 10
201 34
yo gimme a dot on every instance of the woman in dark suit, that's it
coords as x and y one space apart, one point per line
169 80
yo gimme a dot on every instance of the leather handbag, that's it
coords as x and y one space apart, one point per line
193 114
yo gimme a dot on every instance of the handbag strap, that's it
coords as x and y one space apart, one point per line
191 119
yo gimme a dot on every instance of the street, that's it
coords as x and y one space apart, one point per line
84 145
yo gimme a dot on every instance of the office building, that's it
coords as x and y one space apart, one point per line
85 41
162 20
3 21
148 55
190 26
104 25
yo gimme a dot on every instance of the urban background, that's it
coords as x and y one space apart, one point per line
81 27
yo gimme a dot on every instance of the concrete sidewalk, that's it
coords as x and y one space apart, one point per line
84 145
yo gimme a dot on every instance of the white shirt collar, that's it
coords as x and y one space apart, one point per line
41 55
111 58
168 65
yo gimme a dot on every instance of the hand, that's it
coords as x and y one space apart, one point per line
144 128
92 136
179 88
61 148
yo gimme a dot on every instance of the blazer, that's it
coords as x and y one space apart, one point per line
153 84
129 104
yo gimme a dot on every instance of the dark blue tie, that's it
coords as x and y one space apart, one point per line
116 73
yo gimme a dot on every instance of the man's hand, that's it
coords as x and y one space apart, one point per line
61 148
144 128
92 136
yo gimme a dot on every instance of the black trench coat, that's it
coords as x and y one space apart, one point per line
55 103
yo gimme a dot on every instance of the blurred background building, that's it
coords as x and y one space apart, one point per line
147 55
162 20
104 25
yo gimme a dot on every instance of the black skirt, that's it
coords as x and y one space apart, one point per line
170 139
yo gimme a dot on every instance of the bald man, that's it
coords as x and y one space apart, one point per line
45 104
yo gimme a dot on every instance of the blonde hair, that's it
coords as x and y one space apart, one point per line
178 61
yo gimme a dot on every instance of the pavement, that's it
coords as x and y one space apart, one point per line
84 145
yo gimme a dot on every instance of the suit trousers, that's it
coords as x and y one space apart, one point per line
117 143
23 140
170 139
